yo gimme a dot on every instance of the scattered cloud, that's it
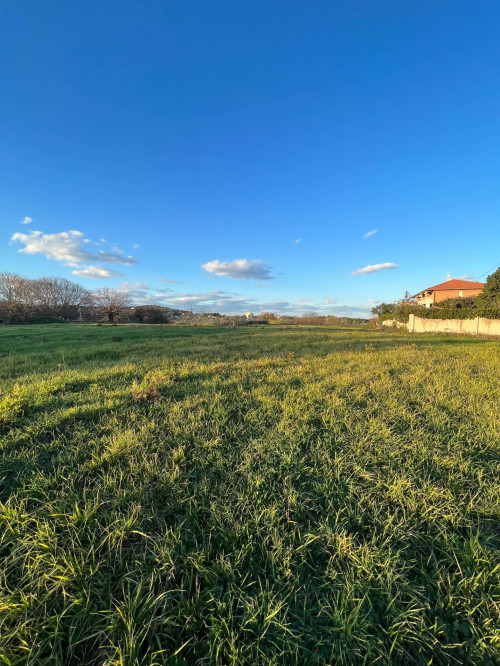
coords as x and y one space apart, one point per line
375 268
69 247
463 277
136 246
214 301
241 269
262 285
138 292
116 249
169 281
26 220
134 285
66 246
109 257
95 272
232 303
299 240
370 233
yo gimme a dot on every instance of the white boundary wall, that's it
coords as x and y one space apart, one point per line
478 326
393 322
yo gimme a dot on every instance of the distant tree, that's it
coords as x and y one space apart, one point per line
152 314
9 290
488 300
268 316
110 302
17 296
407 298
383 309
59 297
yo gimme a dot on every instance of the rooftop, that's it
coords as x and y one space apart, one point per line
454 284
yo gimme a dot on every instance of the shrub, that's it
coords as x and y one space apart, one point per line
488 300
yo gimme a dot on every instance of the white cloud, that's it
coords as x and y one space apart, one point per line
330 301
26 220
66 246
299 240
134 285
305 300
214 301
95 272
231 303
70 248
370 233
169 281
241 269
116 249
136 246
374 268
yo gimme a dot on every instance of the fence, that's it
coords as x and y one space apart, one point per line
477 326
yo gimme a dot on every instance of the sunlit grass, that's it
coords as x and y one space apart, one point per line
263 495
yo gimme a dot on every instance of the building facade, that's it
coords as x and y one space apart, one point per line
449 289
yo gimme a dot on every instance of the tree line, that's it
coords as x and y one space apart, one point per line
25 300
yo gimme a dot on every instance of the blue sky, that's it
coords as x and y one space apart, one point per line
190 135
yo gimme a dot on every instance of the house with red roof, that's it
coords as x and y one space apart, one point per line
448 289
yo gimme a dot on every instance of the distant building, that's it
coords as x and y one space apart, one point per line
249 315
449 289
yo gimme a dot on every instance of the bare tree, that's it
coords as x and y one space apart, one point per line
16 296
110 302
60 297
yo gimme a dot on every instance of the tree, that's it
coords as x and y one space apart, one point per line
110 302
383 309
152 314
60 297
407 298
489 299
16 296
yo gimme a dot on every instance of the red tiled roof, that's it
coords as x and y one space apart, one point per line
455 284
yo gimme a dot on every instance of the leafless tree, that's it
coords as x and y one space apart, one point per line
60 297
16 296
110 302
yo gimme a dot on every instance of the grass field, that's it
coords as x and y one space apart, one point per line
257 495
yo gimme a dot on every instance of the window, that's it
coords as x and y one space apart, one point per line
460 293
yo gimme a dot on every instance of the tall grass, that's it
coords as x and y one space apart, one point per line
248 496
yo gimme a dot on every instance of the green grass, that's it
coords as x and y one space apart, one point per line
262 495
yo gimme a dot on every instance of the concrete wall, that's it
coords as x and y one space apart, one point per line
393 322
478 326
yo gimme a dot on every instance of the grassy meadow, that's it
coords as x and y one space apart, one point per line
255 495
